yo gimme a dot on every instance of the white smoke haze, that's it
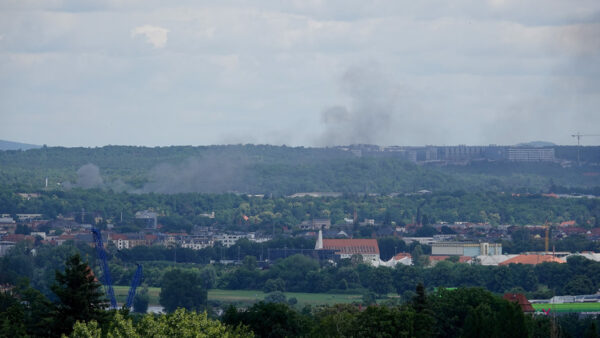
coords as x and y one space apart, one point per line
212 173
209 174
379 110
88 176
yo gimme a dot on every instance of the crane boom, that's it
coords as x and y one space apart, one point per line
134 284
580 135
110 293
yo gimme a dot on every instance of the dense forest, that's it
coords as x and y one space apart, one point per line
278 170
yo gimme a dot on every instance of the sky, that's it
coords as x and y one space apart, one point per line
299 73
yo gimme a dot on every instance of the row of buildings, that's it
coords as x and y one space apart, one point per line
464 252
460 153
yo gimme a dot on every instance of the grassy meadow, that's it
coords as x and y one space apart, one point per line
568 307
250 296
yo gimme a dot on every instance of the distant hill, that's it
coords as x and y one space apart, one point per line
9 145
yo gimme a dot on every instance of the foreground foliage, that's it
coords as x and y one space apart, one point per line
181 323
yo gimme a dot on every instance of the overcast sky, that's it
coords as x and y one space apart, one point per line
306 72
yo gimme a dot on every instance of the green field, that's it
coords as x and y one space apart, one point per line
252 296
568 307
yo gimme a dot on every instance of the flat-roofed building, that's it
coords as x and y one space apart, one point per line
531 154
465 249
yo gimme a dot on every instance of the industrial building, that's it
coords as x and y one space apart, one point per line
531 154
465 249
346 248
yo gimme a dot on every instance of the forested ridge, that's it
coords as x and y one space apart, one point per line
272 170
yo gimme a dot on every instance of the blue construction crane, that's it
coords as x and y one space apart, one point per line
107 280
106 275
137 278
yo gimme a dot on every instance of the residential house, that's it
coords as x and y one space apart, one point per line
227 240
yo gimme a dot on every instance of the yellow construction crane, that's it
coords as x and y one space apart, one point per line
547 237
579 136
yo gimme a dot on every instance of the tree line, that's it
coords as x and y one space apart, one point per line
299 273
79 309
182 212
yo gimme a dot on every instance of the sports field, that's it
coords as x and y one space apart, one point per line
251 296
568 307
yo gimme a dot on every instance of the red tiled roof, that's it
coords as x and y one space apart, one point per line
567 223
17 238
352 246
521 300
402 255
116 237
574 230
532 259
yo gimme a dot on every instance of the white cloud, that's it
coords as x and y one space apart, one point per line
156 36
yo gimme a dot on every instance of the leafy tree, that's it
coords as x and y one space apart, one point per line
249 262
424 320
269 320
272 285
80 296
580 285
388 246
22 229
479 323
381 321
141 300
475 311
275 297
369 298
334 321
591 331
418 258
178 324
12 323
381 280
182 289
